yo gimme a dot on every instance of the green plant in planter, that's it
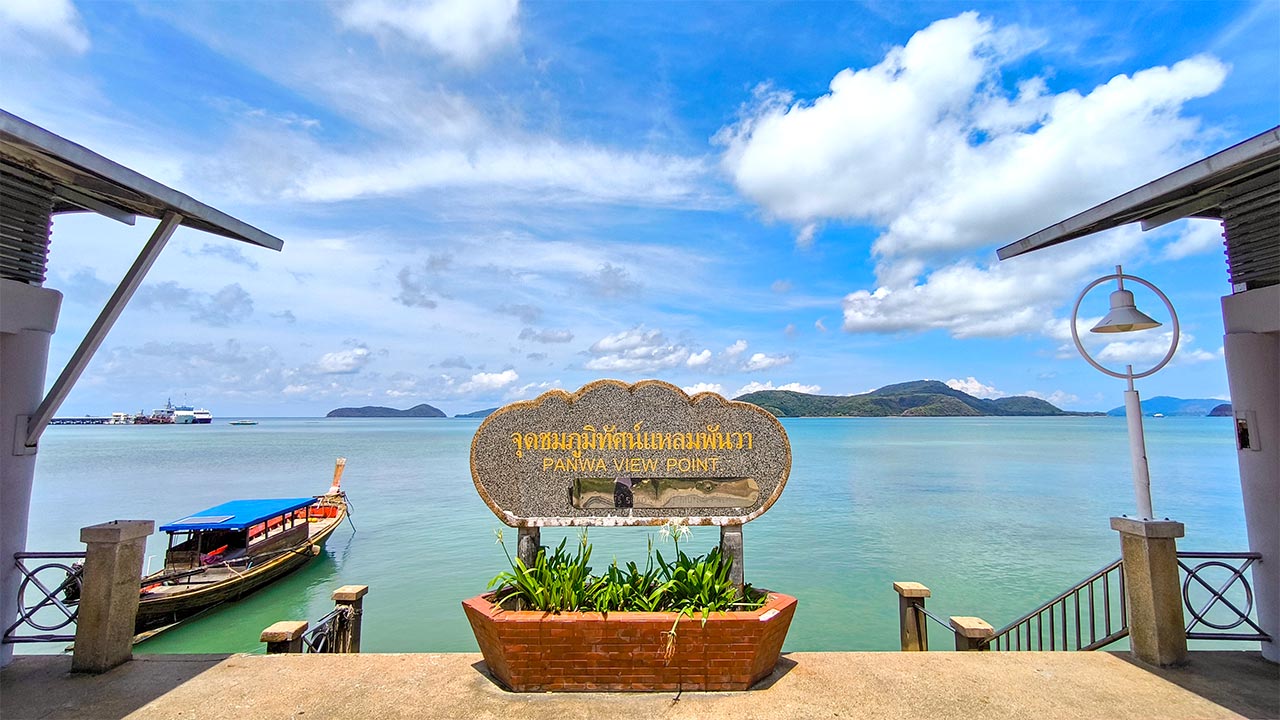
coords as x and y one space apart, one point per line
557 582
561 581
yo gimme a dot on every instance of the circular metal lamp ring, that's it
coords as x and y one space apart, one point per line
1186 596
1075 334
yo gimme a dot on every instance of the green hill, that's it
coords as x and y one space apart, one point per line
376 411
478 413
1174 407
919 398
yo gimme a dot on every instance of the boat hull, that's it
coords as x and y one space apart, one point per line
164 611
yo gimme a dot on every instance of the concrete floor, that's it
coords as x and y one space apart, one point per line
805 685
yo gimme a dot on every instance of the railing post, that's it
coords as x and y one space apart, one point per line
351 596
971 632
1153 593
110 593
528 540
910 596
284 637
731 549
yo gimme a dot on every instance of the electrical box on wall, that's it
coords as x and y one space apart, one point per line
1247 431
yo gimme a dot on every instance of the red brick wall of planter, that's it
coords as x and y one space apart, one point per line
627 651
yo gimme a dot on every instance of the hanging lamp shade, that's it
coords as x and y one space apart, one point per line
1124 316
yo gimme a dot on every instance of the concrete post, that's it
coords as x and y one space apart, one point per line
27 322
971 632
731 548
1252 348
1153 593
528 540
109 597
915 638
284 637
351 596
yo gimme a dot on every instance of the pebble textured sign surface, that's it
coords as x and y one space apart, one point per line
616 454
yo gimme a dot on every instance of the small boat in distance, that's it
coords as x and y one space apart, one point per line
243 422
227 551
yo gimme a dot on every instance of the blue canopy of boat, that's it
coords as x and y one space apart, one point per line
237 514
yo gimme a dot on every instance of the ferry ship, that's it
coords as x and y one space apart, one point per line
188 415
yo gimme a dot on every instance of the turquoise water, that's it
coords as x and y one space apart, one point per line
995 515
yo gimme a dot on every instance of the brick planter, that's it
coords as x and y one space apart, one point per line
532 651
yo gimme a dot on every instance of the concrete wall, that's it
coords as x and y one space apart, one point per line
28 316
1252 347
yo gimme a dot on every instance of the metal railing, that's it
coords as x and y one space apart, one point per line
1088 616
48 596
331 633
1212 596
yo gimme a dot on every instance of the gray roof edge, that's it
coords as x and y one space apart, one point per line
91 162
1105 216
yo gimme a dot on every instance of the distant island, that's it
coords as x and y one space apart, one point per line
478 413
1177 407
920 398
374 411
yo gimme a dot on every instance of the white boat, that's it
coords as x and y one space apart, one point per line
184 415
119 418
243 422
202 417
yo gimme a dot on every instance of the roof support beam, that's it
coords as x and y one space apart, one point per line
98 331
1184 210
88 203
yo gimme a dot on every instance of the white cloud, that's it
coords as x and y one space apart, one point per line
704 387
975 388
792 386
546 335
635 350
1146 348
582 172
464 31
699 359
999 299
1057 397
821 327
345 361
761 361
1197 236
25 21
487 382
930 146
806 235
736 349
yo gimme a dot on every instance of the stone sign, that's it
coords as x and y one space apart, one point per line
617 454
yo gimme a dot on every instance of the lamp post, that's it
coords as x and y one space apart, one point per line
1125 317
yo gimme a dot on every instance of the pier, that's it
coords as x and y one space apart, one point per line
939 685
86 420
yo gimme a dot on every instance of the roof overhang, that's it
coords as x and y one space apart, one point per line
85 180
1197 190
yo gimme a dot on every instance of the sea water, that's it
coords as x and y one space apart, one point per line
994 515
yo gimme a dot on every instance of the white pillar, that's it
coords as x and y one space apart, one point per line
28 316
1252 347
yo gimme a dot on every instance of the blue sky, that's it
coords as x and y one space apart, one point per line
483 200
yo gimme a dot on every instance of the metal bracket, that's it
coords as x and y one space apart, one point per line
20 446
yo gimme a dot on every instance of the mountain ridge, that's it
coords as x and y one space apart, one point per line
422 410
1177 407
917 398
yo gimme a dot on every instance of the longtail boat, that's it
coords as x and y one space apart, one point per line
227 551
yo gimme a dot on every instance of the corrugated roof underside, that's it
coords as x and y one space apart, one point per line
1252 222
25 208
